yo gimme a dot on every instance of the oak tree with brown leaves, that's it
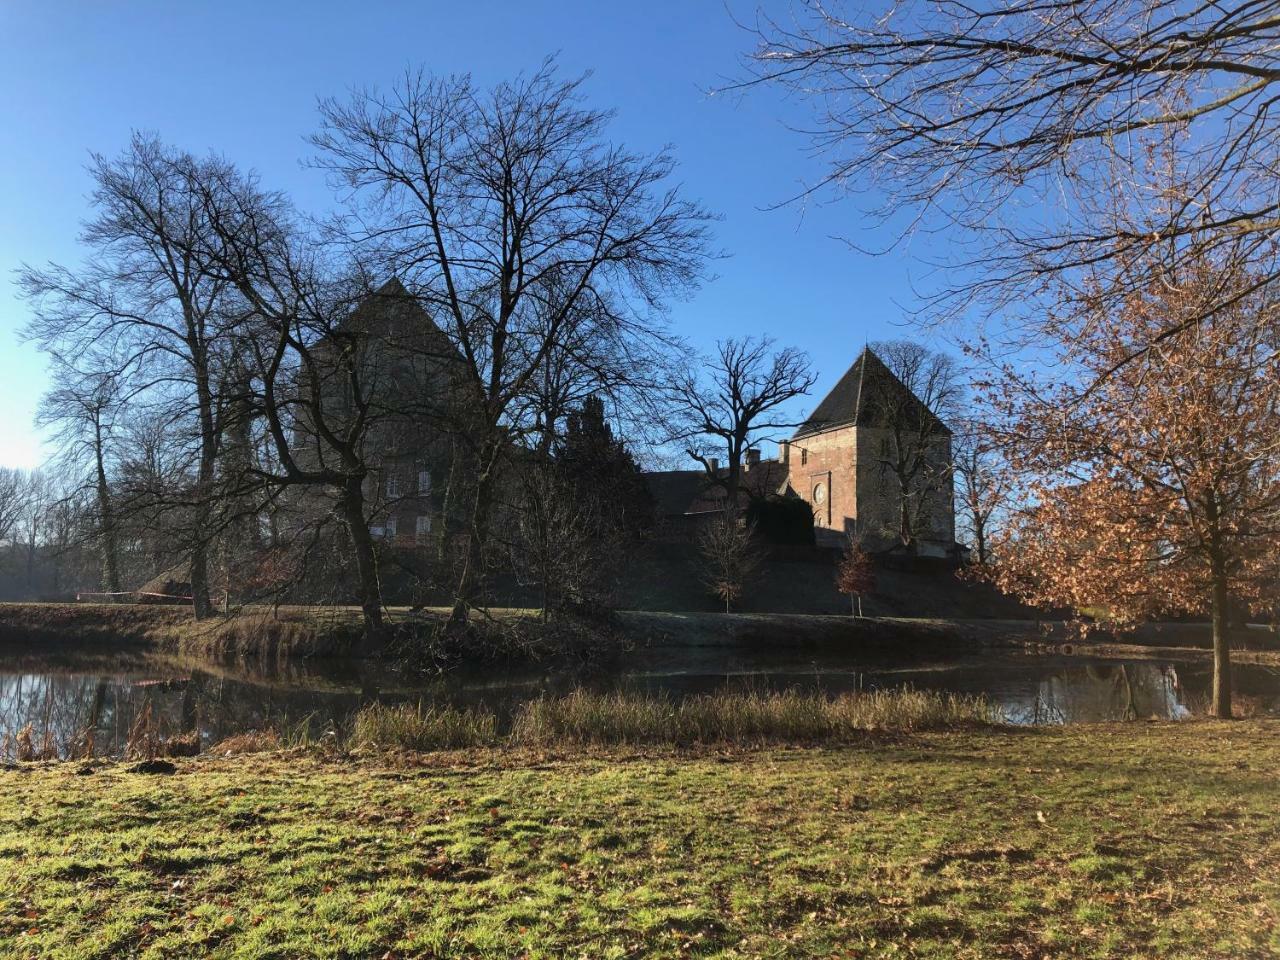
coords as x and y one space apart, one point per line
856 575
1156 488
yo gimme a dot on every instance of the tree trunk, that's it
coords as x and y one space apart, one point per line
199 575
106 520
904 517
31 562
1221 649
733 482
199 578
352 508
472 560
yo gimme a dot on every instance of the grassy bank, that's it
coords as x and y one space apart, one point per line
294 631
513 632
335 631
289 631
1110 841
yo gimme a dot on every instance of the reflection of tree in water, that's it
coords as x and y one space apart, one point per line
97 706
1093 692
82 713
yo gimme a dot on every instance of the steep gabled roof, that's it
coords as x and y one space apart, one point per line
392 311
868 395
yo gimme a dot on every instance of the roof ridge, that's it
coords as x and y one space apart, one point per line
862 378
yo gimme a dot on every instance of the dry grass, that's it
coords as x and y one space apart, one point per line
251 741
410 727
738 718
742 718
27 747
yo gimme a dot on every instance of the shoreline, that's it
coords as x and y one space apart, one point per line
337 632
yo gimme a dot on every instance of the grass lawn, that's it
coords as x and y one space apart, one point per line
1153 840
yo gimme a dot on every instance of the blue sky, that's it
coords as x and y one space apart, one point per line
242 78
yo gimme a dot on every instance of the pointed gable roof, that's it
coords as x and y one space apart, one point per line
864 396
391 311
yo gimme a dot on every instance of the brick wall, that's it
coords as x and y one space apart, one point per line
838 474
822 470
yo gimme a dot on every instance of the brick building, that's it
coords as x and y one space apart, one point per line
841 462
408 370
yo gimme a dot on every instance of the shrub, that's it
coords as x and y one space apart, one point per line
782 520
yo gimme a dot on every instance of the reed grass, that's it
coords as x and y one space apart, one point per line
746 718
415 727
732 717
250 741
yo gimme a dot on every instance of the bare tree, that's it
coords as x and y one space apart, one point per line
12 496
730 555
556 544
82 406
985 487
515 222
147 295
34 521
735 401
315 371
914 448
1001 122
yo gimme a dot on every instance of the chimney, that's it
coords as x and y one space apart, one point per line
715 465
784 452
753 458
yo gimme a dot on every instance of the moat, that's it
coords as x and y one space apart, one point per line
69 694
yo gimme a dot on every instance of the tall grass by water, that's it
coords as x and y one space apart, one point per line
732 717
415 727
741 717
582 717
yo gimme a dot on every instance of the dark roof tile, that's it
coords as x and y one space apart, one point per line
863 397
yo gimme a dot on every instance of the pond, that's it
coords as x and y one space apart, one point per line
78 702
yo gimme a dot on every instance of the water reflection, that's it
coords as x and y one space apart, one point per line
84 705
1113 691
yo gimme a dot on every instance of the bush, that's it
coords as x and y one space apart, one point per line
782 520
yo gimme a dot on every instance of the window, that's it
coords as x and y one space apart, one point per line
377 531
424 482
820 493
391 528
804 456
423 527
393 486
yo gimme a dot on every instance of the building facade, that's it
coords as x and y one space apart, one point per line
407 371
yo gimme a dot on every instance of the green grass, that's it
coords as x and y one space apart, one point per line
1145 840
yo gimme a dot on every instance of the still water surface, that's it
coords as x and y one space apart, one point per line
73 694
